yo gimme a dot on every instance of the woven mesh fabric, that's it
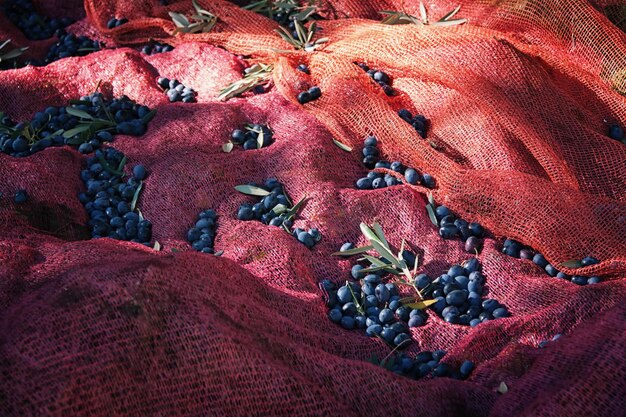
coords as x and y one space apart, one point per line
519 101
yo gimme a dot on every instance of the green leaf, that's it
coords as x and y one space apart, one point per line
279 209
120 167
294 210
77 130
420 305
179 19
157 246
133 203
342 146
432 215
227 147
109 168
431 199
356 301
572 263
381 235
354 251
387 268
502 388
252 190
73 111
259 139
149 116
379 245
13 54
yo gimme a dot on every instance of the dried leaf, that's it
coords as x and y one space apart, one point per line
421 305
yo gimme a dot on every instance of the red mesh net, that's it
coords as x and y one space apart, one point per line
519 101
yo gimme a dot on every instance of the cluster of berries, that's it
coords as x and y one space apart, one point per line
113 22
379 77
253 136
375 180
22 14
451 226
111 202
156 47
176 91
373 306
313 93
419 122
517 250
91 121
458 295
275 209
68 45
202 234
425 364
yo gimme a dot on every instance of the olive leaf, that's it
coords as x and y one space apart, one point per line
157 246
12 54
109 168
76 131
432 215
421 305
133 203
149 116
252 190
342 146
73 111
572 263
353 251
227 147
359 307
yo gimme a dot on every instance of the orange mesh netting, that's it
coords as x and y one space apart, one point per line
519 102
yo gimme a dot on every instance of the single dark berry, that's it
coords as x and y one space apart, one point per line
304 97
21 196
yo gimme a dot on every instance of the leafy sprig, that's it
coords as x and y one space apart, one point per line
401 18
304 39
388 262
255 75
201 22
270 8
